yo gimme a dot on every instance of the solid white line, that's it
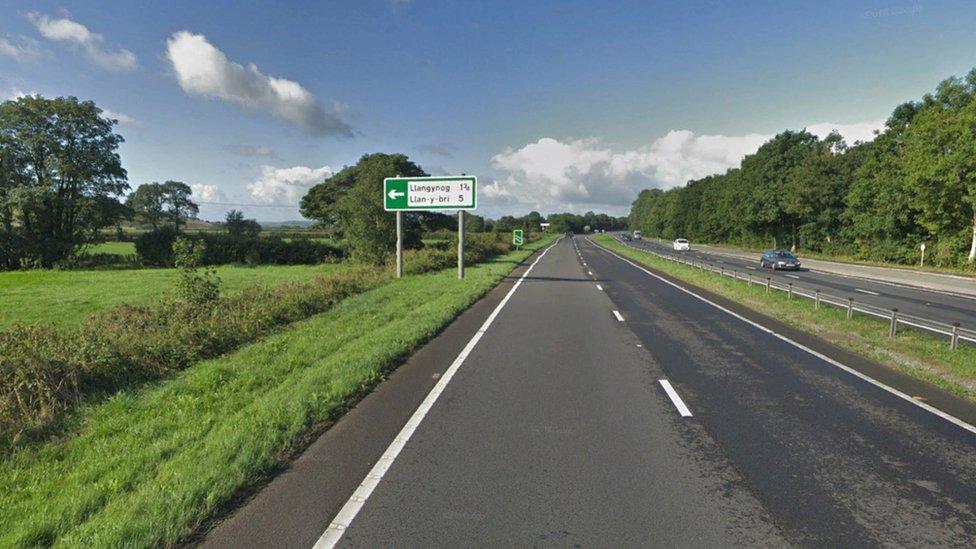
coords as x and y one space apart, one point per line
348 513
617 314
598 287
927 407
866 291
678 403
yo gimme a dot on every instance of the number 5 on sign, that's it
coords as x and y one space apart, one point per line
517 238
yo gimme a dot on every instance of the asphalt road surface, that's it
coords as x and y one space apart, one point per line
603 406
930 304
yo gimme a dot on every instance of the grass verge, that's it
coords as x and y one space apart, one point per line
148 465
918 354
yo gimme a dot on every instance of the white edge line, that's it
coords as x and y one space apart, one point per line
337 528
927 407
618 315
678 403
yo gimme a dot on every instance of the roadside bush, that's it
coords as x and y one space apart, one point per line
477 248
194 287
156 248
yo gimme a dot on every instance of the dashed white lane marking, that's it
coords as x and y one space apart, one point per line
864 377
793 276
333 534
869 292
678 403
619 317
598 287
589 273
751 268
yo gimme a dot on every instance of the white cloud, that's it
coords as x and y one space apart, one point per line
585 173
124 119
203 70
207 193
24 50
286 186
91 44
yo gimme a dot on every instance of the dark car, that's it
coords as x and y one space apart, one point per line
625 236
779 259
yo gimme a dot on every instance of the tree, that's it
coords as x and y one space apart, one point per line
350 204
940 163
179 207
61 174
238 227
148 203
881 219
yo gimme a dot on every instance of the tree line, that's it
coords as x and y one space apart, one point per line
914 183
62 182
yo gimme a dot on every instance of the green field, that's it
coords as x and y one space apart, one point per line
918 354
65 297
148 465
112 248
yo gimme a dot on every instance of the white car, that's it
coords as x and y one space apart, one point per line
637 235
681 245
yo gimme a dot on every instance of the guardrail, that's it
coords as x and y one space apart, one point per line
953 331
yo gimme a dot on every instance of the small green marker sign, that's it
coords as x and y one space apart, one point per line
429 193
518 237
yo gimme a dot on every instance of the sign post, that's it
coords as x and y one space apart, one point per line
922 262
399 249
518 238
430 193
460 243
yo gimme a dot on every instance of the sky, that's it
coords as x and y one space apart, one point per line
555 106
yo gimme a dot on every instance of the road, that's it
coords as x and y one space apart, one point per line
592 403
934 305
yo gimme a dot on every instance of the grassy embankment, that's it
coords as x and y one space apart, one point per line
150 464
920 355
63 298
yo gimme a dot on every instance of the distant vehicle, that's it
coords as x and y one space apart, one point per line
625 236
681 245
638 235
779 259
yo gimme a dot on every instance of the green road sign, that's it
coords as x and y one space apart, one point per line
429 193
517 237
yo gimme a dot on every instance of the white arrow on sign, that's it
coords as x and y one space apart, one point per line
394 194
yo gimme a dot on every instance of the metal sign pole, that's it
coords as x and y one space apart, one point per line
460 243
399 244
